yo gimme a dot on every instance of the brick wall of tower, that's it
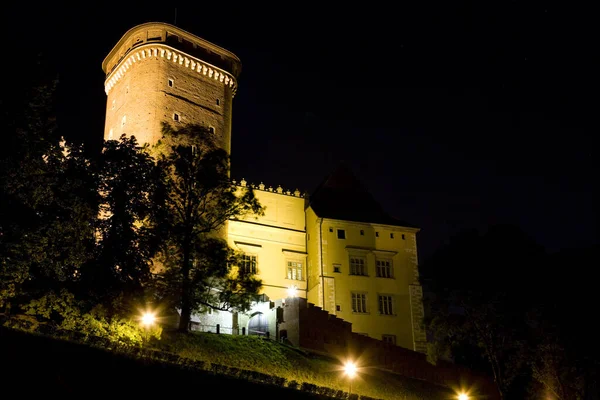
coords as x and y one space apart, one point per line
155 75
155 89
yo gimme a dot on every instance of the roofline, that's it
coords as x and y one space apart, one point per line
408 228
182 32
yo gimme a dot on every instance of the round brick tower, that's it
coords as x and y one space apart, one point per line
158 72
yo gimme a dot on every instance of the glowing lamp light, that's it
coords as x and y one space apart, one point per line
292 291
463 396
350 369
148 318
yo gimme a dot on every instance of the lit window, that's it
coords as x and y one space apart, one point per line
359 302
358 265
341 234
385 305
337 268
294 270
175 117
391 339
383 268
248 264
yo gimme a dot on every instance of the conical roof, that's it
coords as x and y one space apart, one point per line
342 196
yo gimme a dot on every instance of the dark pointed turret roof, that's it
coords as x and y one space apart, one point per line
342 196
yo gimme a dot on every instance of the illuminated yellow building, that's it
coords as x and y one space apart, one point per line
337 248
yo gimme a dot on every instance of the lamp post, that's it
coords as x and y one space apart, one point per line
350 370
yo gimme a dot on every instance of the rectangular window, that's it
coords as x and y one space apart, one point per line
341 233
403 238
175 117
362 232
383 268
294 270
248 264
358 265
218 102
170 82
338 307
385 305
376 234
211 129
391 235
359 302
330 229
337 268
391 339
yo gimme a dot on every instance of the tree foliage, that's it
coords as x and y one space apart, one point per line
127 181
498 302
198 200
478 293
47 201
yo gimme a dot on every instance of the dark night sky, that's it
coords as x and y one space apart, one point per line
454 115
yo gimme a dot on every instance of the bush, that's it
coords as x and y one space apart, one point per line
62 314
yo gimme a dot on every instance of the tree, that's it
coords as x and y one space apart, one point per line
47 199
565 354
479 290
127 181
198 200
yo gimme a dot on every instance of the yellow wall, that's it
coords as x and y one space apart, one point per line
275 238
333 291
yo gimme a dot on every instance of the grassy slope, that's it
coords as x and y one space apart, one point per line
270 357
34 363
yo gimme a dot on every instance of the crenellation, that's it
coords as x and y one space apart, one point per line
263 187
179 59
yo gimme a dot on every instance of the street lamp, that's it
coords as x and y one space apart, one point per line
350 370
148 319
463 396
292 291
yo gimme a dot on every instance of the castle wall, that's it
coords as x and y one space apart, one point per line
324 333
277 240
337 287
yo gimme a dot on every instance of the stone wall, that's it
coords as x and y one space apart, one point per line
319 331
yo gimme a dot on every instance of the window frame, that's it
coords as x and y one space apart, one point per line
385 338
386 304
389 268
359 302
289 269
252 258
355 268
